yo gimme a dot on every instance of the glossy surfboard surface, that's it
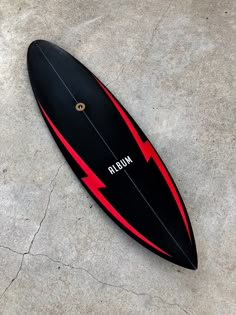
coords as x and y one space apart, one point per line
110 154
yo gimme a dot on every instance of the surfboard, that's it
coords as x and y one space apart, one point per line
110 154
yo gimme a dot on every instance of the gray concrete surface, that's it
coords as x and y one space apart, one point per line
172 64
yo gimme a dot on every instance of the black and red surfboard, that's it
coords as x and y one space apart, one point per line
110 154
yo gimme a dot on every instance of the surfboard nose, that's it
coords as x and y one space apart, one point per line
37 51
32 48
42 56
36 43
34 56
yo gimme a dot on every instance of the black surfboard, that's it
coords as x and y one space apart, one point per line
110 154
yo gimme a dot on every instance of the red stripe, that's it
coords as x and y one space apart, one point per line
94 183
148 152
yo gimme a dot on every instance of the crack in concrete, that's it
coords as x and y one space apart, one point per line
155 28
46 208
122 69
53 181
14 278
121 287
10 249
147 46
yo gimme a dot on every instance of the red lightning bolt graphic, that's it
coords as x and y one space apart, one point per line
149 152
94 184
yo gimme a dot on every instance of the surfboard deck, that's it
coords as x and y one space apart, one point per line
110 154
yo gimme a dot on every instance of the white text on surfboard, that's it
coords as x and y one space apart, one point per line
119 165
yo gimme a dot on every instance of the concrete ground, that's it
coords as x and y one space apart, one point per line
172 64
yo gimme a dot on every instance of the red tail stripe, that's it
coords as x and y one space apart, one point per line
148 152
94 183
